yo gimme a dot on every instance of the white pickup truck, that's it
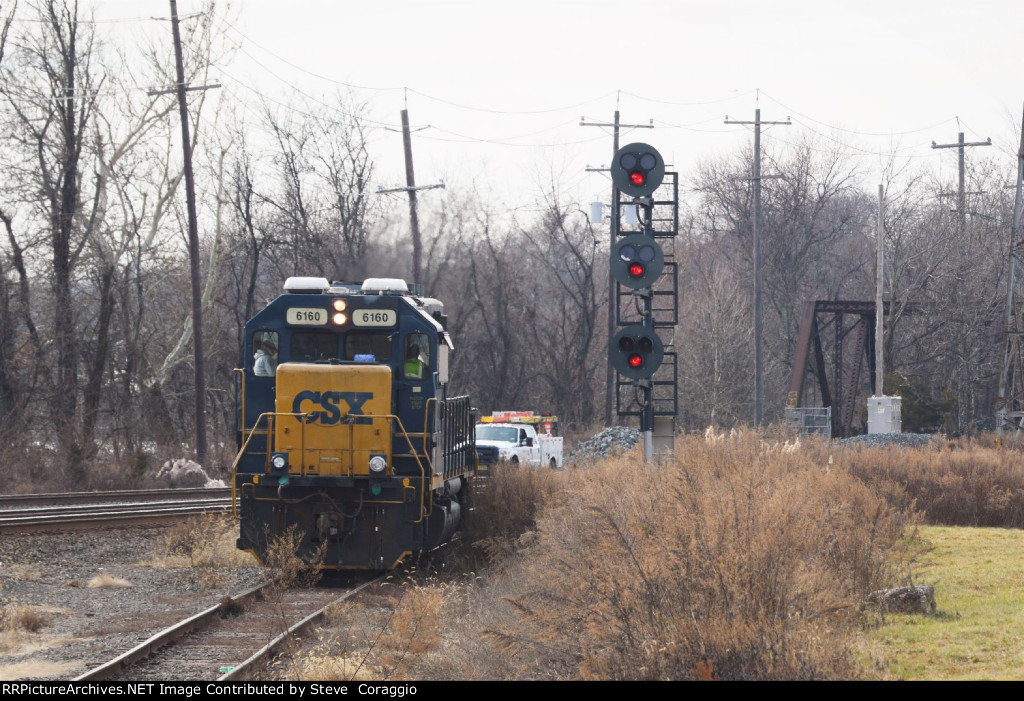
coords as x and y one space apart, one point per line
513 436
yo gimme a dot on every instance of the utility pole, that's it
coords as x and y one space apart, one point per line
411 189
756 234
1011 380
961 200
193 240
879 304
410 182
614 233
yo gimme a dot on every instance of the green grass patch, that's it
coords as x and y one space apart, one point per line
978 630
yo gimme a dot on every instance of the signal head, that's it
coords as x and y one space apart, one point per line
636 261
638 170
637 352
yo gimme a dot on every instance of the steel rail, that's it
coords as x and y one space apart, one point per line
78 516
54 498
264 651
164 637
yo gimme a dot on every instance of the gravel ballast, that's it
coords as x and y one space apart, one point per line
49 574
613 440
905 440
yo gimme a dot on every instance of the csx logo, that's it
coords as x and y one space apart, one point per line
331 412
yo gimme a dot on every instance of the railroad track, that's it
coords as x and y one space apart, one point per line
227 641
77 510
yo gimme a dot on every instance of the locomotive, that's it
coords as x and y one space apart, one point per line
348 442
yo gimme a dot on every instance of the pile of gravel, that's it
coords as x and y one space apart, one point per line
610 441
905 440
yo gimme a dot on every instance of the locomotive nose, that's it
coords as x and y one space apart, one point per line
333 419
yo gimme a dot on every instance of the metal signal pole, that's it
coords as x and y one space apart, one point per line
614 227
879 303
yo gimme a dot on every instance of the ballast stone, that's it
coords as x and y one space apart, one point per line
612 440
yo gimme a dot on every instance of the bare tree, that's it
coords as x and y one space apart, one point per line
564 308
713 341
324 211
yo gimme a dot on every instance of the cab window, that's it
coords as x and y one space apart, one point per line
264 353
367 345
311 347
417 356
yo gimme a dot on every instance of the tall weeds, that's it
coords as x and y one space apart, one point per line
963 483
738 559
735 561
505 507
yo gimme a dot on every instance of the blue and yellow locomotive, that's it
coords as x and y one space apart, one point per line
347 437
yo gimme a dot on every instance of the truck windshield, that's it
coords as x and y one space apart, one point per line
505 434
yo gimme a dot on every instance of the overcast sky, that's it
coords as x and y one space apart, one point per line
503 85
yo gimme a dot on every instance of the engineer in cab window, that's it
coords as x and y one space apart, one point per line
417 359
263 359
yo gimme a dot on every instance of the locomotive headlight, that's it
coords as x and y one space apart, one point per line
339 318
378 463
279 461
340 305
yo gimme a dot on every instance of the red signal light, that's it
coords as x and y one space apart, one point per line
636 270
637 178
636 360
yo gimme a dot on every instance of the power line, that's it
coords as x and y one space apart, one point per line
735 96
412 90
853 131
512 112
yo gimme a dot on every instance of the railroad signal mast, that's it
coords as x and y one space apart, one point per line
637 265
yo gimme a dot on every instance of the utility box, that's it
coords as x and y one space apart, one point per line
664 435
884 415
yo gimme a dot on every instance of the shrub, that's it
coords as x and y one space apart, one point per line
961 483
203 541
505 505
736 560
21 618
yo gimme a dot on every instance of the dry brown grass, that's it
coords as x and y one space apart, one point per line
206 541
289 569
14 618
323 664
505 507
107 581
18 624
23 572
738 560
968 482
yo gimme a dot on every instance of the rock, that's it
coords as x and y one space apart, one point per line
919 599
183 473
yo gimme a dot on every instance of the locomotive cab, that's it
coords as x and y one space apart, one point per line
350 445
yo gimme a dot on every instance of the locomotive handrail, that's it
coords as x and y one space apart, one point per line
241 398
426 418
423 474
241 452
271 415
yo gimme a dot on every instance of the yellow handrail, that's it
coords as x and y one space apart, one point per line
241 400
271 415
241 452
